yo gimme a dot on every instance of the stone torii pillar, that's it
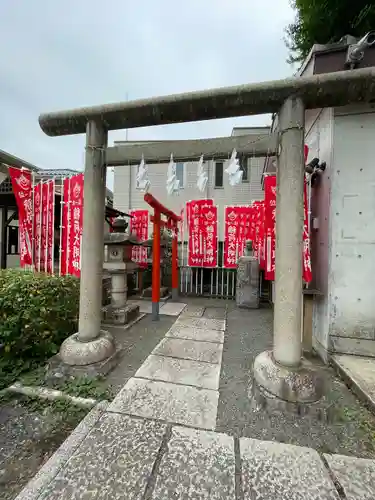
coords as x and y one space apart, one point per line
91 344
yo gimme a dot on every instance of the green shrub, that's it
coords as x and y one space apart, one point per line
37 312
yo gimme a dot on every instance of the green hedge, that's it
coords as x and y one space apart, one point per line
37 312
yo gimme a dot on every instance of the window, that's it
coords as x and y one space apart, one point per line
180 173
245 169
219 174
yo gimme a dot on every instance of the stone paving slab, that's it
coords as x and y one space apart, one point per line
204 323
117 456
355 475
208 352
181 371
193 311
171 402
197 464
277 471
215 312
172 308
192 333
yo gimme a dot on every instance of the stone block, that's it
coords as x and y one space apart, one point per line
173 403
273 471
208 352
191 333
247 284
180 371
120 316
197 464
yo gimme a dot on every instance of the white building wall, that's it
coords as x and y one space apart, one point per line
352 270
127 197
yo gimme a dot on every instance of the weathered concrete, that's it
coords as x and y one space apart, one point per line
101 466
180 371
203 323
247 285
277 471
91 345
169 402
191 333
356 476
330 89
359 374
301 385
197 464
208 352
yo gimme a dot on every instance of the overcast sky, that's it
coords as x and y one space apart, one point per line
59 54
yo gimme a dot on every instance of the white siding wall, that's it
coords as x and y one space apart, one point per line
127 197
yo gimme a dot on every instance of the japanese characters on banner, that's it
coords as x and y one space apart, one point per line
139 226
270 231
43 229
75 224
307 273
22 188
37 225
238 227
270 225
64 227
50 226
202 220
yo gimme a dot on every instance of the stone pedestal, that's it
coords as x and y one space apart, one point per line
247 287
118 266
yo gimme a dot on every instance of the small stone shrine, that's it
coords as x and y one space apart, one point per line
118 265
247 287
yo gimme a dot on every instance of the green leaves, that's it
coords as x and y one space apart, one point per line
38 312
326 21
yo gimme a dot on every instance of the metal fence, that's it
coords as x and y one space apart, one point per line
202 282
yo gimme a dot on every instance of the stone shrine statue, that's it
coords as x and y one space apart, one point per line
248 248
247 285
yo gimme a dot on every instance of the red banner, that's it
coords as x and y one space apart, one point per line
22 189
237 229
37 248
270 225
64 227
50 225
197 211
209 235
139 226
75 224
43 228
307 272
270 228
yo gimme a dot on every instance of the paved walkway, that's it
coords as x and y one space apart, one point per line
159 438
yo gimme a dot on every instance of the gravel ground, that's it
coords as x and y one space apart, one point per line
349 431
30 432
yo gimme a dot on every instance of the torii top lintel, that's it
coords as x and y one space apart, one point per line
161 209
317 91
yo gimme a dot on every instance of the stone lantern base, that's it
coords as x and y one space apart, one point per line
120 315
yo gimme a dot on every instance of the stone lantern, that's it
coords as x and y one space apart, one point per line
118 265
247 286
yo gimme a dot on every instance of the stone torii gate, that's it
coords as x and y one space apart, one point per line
282 372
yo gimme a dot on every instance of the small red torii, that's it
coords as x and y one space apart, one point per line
171 223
